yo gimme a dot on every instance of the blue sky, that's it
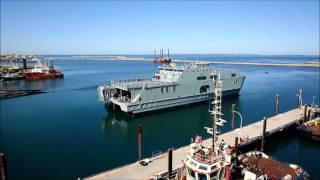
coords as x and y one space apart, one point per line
138 27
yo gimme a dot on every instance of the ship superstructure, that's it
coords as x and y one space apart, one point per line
170 86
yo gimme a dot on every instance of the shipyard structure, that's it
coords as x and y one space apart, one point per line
170 86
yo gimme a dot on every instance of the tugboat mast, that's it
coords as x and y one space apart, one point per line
216 111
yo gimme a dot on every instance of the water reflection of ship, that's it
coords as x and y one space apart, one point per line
44 84
114 122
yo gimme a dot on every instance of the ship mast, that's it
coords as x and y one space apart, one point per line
216 111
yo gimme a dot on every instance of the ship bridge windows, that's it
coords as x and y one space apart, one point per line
191 173
203 167
204 89
201 78
202 176
214 175
233 75
157 76
213 77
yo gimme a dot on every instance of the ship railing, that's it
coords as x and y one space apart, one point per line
122 99
139 83
208 159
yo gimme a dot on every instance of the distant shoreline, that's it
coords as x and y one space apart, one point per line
314 64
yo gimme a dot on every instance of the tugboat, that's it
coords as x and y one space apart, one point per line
42 71
210 162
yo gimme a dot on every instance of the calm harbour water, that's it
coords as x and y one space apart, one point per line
66 133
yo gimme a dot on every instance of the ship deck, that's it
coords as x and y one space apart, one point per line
158 165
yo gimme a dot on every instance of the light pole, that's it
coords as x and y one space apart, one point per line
313 98
239 129
240 118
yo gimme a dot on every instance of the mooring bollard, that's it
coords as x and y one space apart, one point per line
305 113
3 167
169 163
276 105
236 145
140 142
233 107
263 136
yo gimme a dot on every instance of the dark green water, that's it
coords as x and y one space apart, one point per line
66 133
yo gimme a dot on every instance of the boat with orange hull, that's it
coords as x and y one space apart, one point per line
39 75
42 72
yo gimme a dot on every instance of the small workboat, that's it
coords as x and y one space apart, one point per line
11 76
258 165
311 129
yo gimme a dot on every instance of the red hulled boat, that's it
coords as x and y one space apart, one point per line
42 72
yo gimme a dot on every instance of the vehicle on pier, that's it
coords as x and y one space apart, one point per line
170 86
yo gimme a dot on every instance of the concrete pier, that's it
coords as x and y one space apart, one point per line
159 165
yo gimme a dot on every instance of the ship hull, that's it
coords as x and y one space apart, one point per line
168 103
309 133
36 76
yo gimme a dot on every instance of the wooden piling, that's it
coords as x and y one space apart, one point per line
169 163
299 99
305 113
276 104
139 142
263 136
309 114
3 167
233 107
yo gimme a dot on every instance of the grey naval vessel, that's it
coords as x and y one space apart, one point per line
170 86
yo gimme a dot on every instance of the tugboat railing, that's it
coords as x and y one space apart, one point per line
208 159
